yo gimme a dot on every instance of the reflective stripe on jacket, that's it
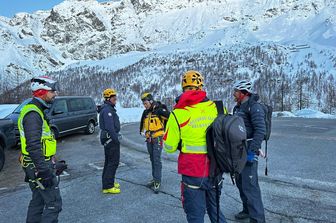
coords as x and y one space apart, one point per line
193 119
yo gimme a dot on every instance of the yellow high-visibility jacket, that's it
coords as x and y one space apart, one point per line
193 121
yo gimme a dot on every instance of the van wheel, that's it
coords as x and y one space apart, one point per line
2 157
54 132
90 128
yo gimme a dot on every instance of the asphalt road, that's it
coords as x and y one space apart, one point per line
300 187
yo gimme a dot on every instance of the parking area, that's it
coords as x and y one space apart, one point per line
300 188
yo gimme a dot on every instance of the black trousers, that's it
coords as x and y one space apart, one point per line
112 158
45 205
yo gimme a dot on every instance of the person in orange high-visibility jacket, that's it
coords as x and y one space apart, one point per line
185 131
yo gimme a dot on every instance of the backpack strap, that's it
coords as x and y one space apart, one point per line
220 108
177 122
266 157
179 147
217 201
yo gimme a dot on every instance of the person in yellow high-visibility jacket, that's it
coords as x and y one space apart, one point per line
38 149
186 131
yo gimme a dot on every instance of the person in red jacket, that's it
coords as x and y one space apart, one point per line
185 131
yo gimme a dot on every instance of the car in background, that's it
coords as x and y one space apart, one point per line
7 138
67 115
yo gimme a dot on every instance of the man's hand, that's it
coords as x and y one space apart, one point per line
45 177
261 153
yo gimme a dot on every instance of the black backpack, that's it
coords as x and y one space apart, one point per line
226 145
162 106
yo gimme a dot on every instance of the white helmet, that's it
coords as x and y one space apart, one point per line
45 83
243 85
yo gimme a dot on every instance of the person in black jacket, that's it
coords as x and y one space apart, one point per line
254 118
152 126
38 148
109 136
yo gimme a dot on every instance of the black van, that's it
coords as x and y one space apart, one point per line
7 138
67 115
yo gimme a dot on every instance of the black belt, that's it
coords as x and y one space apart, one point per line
27 158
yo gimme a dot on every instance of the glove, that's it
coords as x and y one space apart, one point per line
250 156
60 166
45 177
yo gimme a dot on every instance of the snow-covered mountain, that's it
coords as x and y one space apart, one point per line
79 33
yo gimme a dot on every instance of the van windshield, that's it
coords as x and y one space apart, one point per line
18 109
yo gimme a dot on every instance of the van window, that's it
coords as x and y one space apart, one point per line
88 104
61 106
76 104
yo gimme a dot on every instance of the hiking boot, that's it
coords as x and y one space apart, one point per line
156 187
242 215
112 190
150 184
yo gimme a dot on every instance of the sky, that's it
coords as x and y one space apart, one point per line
9 8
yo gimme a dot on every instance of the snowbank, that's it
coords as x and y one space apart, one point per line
283 114
304 113
6 109
127 115
309 113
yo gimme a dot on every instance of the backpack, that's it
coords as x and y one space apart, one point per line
268 119
226 145
164 107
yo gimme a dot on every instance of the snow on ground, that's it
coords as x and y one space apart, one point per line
283 114
310 113
128 115
304 113
114 62
6 109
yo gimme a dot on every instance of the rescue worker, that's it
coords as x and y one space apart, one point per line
253 115
186 131
109 137
152 126
38 148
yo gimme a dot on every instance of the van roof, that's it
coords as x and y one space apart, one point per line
62 97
